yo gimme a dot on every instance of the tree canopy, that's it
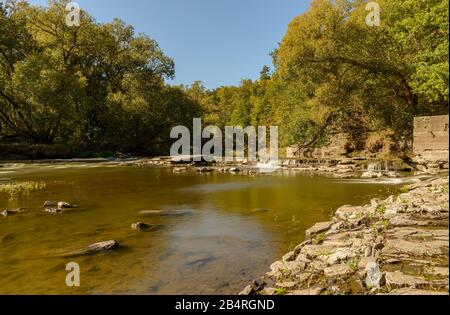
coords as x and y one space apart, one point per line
95 85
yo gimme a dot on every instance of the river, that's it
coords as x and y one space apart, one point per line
237 226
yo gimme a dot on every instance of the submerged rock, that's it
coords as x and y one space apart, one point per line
59 205
54 210
164 212
7 213
200 260
205 169
94 248
64 205
139 226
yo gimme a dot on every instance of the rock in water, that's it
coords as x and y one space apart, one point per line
139 226
204 170
94 248
164 212
64 205
60 204
48 204
53 210
374 275
7 213
101 246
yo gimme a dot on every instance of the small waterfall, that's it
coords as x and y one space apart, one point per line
382 166
267 166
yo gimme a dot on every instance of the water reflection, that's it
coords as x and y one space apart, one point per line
238 226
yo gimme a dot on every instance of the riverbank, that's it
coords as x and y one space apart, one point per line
394 246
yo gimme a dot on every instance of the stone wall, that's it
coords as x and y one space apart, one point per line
431 138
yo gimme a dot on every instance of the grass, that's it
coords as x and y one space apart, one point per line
354 263
386 224
20 189
381 210
280 291
404 189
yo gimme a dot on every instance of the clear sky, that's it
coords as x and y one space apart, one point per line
218 42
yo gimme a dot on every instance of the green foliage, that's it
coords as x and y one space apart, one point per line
101 86
280 291
96 86
335 74
354 263
381 209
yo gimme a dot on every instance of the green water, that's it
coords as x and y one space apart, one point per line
217 249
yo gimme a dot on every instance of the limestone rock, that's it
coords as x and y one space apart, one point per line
94 248
318 228
139 226
411 291
397 279
373 275
425 248
337 270
316 290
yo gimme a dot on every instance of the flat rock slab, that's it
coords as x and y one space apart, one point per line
311 291
425 248
7 213
398 279
94 248
337 270
410 291
318 228
164 212
139 226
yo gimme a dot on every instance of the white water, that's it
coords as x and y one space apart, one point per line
267 167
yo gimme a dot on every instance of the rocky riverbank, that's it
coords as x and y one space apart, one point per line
397 246
344 168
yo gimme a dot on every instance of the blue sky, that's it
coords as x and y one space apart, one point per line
218 42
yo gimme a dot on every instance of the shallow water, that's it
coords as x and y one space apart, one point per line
237 227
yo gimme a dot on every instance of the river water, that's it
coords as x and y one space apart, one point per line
238 225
